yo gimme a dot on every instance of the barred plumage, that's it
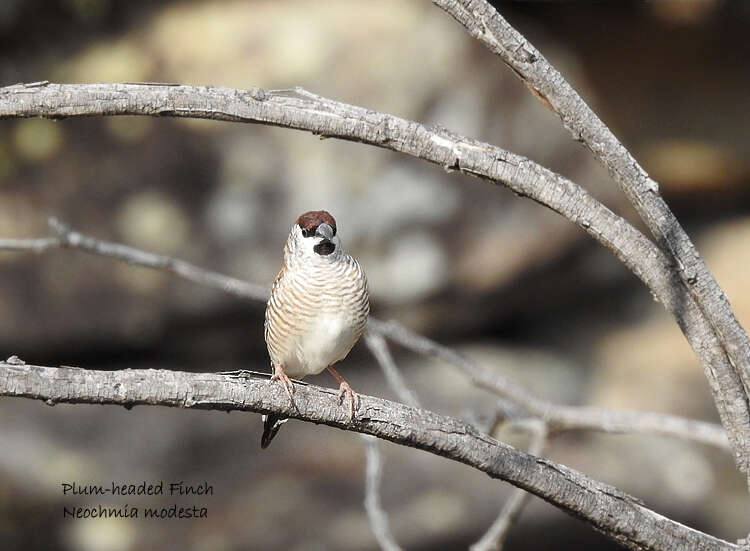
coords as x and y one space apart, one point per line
316 313
318 307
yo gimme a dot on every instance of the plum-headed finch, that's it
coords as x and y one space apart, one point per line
317 311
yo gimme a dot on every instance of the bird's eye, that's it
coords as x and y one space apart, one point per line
305 232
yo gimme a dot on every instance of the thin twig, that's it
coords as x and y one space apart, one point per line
33 245
559 417
494 538
606 508
373 505
730 380
73 239
379 348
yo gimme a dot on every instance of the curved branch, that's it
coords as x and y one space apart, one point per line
302 110
34 245
494 538
374 469
609 510
379 524
559 416
484 23
131 255
379 349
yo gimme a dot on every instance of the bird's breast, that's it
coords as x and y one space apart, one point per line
327 341
313 319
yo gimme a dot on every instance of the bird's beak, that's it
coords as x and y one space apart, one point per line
325 231
326 246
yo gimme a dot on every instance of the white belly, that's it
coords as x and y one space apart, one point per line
328 340
315 315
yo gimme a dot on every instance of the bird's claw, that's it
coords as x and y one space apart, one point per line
351 397
285 381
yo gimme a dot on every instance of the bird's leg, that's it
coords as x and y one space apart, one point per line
286 382
352 398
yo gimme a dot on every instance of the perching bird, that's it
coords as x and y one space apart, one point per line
317 311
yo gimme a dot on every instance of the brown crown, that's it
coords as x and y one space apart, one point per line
311 220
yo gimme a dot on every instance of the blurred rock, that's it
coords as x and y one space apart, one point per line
37 139
684 13
108 534
230 206
151 221
414 266
129 129
116 60
726 250
684 166
504 247
650 365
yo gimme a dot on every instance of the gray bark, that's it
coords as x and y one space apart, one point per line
730 378
494 538
609 510
305 111
545 414
558 417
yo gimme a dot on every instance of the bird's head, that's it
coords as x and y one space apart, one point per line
313 236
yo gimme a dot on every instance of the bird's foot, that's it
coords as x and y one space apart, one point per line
348 396
285 381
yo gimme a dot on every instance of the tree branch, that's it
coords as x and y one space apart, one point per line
373 504
375 513
559 416
494 538
484 23
179 268
33 245
604 507
379 349
302 110
549 413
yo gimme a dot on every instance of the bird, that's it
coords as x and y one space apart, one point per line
317 311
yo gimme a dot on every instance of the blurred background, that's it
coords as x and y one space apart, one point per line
512 284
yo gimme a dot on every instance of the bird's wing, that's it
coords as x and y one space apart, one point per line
274 288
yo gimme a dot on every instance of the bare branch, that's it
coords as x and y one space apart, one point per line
379 348
705 433
302 110
559 417
33 245
494 538
185 270
614 513
378 518
732 380
375 512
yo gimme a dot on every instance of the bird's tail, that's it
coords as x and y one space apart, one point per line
271 425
